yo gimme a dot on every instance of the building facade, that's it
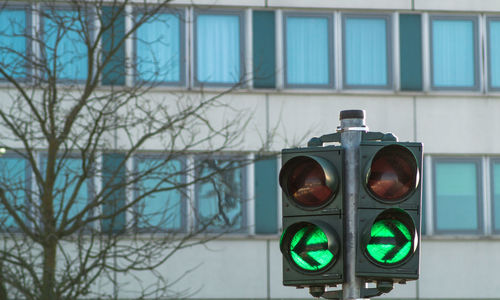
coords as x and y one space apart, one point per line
428 71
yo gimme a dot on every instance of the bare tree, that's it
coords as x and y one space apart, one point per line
73 173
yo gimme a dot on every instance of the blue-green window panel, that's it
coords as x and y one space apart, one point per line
113 46
113 185
159 49
493 30
15 181
220 195
218 48
367 51
457 194
454 53
264 49
308 50
15 22
162 204
410 52
65 47
495 193
70 197
266 196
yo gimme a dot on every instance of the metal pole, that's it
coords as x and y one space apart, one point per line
352 125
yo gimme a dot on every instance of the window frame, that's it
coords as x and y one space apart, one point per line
90 18
477 161
476 48
181 14
242 37
389 51
29 37
244 228
331 50
184 195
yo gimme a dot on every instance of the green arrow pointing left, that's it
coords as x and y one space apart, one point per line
309 248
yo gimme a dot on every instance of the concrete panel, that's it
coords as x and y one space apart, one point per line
458 125
247 3
220 269
362 4
304 116
458 5
457 269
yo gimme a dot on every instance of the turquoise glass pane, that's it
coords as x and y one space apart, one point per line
158 49
307 51
113 48
161 207
456 195
218 50
219 198
65 45
264 49
494 53
13 42
14 183
70 196
266 196
453 53
365 52
496 195
410 52
113 185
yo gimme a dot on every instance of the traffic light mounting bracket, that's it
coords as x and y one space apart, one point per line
365 136
382 288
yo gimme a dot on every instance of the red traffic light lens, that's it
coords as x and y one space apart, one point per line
308 181
393 173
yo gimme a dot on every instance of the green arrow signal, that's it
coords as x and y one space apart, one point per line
390 241
309 248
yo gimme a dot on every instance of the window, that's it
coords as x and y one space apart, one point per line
14 22
493 28
495 193
113 46
454 53
218 48
264 49
159 49
308 50
219 196
64 44
367 51
161 204
114 192
457 195
15 184
73 188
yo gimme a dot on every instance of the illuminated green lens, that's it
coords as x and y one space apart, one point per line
309 248
390 241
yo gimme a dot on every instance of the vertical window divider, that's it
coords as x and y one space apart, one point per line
248 68
249 198
129 193
189 47
35 47
279 198
426 60
337 52
98 189
279 50
129 55
483 61
487 205
396 77
190 192
428 188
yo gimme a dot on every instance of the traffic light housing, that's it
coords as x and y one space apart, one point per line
311 242
389 211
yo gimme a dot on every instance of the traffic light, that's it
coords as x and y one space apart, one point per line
389 211
311 242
